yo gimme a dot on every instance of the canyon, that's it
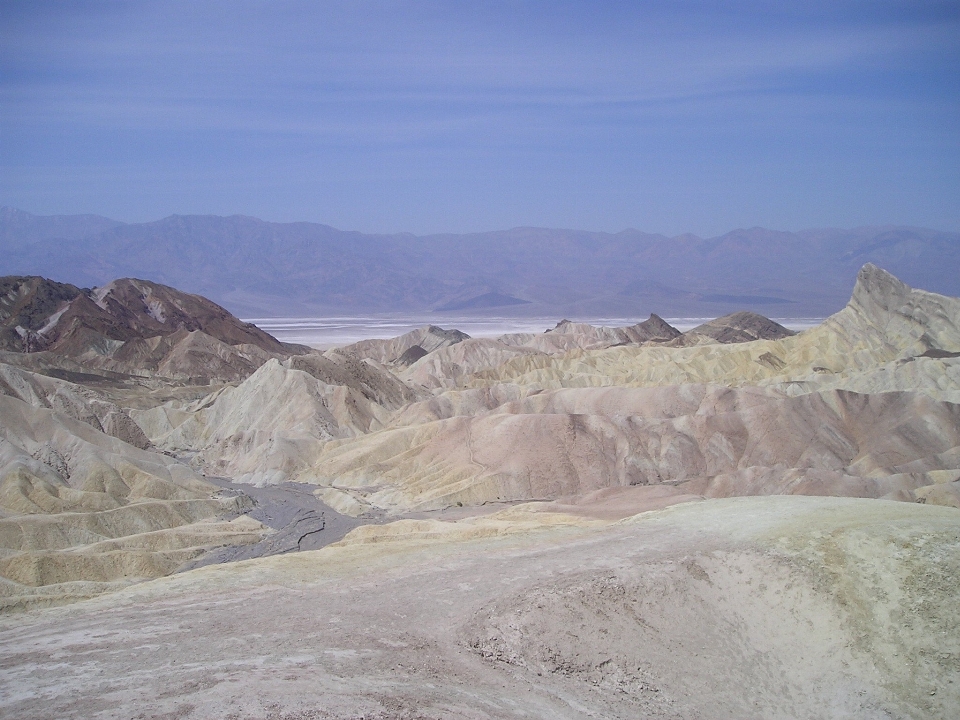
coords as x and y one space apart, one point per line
738 520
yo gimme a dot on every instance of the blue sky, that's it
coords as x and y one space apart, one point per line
453 116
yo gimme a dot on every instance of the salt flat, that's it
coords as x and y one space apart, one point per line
327 332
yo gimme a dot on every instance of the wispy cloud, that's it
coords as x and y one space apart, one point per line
184 83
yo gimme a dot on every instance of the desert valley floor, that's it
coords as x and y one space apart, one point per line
738 521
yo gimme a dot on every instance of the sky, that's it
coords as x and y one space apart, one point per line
432 117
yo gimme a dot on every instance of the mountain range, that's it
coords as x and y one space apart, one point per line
259 268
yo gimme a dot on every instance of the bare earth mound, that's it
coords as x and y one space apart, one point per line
585 522
745 608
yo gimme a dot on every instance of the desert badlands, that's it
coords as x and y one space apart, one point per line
199 521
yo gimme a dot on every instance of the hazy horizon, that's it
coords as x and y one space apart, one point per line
260 269
443 117
801 229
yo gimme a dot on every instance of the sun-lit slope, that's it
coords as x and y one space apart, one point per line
76 401
82 512
451 403
885 321
407 348
569 335
817 601
446 366
575 441
750 607
271 427
191 356
937 377
774 417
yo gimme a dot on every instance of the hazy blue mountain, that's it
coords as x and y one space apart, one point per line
258 268
487 300
18 228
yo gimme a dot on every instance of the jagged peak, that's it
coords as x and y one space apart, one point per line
877 287
898 312
433 336
560 326
655 321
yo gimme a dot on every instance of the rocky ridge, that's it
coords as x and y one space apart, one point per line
577 523
133 327
863 405
514 418
407 348
82 512
738 327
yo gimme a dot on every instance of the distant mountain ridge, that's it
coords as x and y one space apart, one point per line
259 268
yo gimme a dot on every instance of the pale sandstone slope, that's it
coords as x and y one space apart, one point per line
569 335
76 401
407 348
938 378
504 439
82 512
272 426
184 355
446 366
816 608
451 403
885 321
574 441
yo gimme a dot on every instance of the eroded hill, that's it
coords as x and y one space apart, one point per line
735 521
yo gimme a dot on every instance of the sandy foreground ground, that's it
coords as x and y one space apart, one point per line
761 607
